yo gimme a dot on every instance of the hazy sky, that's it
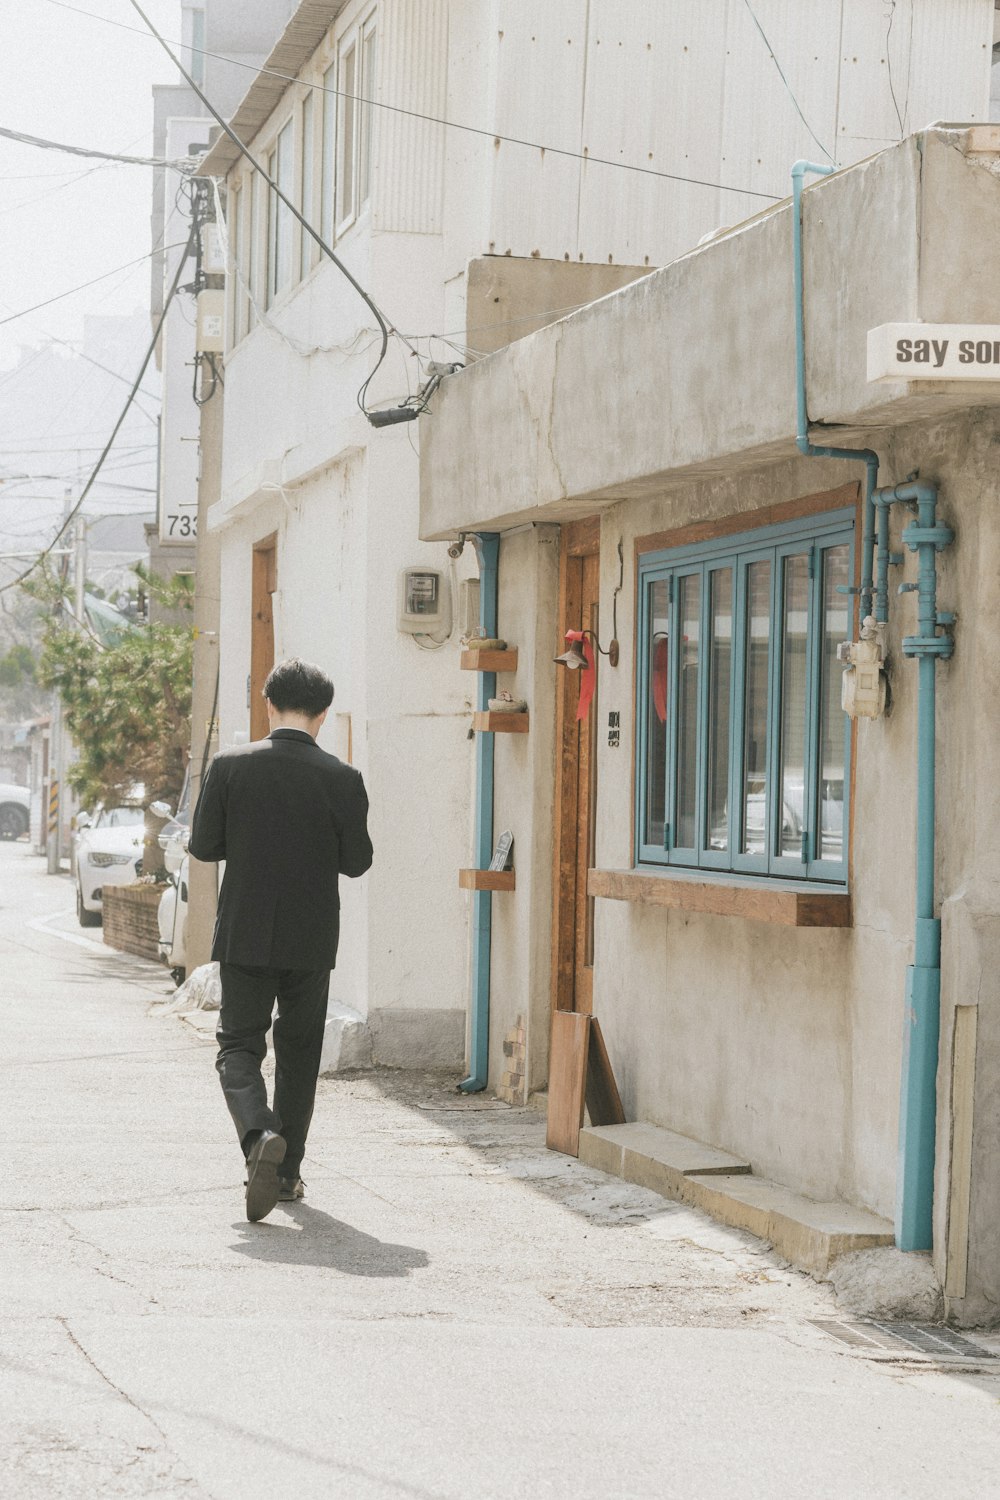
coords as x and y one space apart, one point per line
71 78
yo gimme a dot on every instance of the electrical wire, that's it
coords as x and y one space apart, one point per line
888 63
414 114
788 87
283 197
12 317
95 471
182 164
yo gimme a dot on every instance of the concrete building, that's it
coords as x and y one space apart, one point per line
733 861
315 515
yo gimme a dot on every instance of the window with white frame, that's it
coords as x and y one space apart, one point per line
280 225
348 127
238 305
307 245
743 750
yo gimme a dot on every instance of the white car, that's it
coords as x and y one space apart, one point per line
108 852
15 806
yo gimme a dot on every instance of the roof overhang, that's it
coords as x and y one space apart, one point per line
306 28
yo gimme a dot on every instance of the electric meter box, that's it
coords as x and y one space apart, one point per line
210 328
424 602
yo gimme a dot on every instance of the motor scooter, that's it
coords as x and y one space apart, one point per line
173 909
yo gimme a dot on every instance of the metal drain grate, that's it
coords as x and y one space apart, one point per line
913 1338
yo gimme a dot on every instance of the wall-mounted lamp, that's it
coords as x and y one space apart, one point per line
576 655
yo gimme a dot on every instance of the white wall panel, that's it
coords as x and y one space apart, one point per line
950 61
763 133
654 99
934 59
410 153
540 91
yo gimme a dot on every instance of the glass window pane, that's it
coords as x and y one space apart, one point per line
307 244
794 671
236 299
253 255
367 92
329 136
280 170
345 153
658 657
758 651
833 729
687 710
720 672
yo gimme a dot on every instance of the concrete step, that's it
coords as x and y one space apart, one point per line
805 1232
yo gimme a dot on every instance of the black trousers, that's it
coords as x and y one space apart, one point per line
248 996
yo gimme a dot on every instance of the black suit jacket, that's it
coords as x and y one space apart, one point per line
288 819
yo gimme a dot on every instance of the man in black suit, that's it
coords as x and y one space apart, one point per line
288 819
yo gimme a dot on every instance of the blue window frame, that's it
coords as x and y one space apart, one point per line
743 748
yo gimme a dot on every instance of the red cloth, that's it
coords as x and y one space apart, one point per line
661 669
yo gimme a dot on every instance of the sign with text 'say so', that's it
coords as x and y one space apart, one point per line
934 351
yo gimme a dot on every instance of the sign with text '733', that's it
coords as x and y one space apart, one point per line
934 351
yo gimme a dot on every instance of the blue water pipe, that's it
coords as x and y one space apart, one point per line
487 545
866 455
921 1029
926 536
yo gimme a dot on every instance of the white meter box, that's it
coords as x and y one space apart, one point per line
934 351
210 330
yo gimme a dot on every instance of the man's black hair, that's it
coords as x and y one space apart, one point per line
298 687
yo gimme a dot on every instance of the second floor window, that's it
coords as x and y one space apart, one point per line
280 221
743 748
348 127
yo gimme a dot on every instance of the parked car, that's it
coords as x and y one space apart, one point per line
108 852
15 810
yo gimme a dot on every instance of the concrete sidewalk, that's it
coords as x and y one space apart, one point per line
453 1310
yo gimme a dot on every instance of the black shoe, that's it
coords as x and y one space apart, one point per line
290 1189
265 1157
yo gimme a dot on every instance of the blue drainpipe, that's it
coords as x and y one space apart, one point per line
927 537
869 458
487 546
918 1088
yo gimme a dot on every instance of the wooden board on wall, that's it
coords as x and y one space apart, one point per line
567 1080
604 1104
579 1074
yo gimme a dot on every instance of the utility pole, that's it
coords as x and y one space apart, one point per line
53 840
203 879
79 568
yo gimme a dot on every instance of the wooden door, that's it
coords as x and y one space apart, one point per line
264 584
576 781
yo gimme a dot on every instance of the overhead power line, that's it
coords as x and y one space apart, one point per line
95 471
84 284
413 114
181 165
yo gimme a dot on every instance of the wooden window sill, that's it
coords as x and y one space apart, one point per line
787 903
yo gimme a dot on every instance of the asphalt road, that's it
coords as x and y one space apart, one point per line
453 1311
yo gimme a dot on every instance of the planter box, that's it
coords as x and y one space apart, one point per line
130 919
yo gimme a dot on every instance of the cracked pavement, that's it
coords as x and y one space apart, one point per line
453 1308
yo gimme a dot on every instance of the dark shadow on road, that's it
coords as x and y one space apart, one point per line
317 1239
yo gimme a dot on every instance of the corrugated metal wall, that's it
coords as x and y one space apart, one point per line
410 153
689 87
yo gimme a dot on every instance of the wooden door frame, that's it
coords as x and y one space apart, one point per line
263 585
578 539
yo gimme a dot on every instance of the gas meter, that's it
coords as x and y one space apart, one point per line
863 689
